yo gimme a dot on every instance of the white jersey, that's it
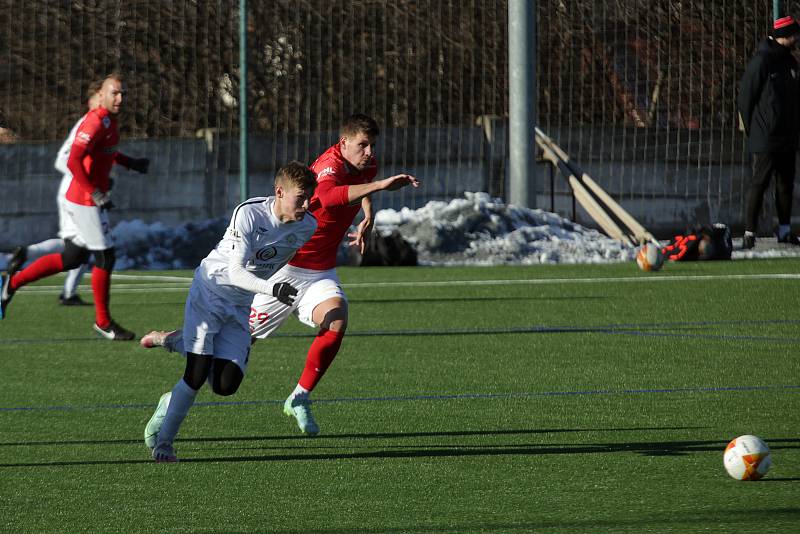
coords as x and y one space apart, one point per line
255 246
62 157
63 152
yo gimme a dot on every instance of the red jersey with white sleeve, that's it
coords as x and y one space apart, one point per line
330 207
93 152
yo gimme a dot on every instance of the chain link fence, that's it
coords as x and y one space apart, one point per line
640 92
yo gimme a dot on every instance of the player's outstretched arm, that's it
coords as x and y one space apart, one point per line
398 181
356 192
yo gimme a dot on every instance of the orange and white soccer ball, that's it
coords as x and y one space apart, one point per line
649 257
747 458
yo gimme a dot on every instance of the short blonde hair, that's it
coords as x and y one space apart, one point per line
296 174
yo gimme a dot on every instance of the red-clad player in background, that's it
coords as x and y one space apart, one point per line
345 174
93 152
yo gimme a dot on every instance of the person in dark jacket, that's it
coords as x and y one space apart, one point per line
769 105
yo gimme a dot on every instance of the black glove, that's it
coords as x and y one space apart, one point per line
102 200
140 165
284 292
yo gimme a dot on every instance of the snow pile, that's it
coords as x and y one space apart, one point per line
480 230
473 230
143 246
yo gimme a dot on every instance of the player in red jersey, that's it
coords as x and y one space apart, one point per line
345 180
29 253
93 152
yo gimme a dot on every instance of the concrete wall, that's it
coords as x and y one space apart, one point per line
194 179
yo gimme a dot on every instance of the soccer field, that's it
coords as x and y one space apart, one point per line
564 398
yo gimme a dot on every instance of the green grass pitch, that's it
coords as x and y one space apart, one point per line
503 399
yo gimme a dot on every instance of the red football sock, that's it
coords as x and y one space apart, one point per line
41 268
322 352
101 284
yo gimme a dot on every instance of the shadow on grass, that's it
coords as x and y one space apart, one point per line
676 329
757 516
377 435
312 450
479 300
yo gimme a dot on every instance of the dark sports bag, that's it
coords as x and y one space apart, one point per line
701 242
390 250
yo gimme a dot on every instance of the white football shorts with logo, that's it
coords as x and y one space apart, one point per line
313 287
86 226
213 325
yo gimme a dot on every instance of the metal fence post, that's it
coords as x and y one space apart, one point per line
522 101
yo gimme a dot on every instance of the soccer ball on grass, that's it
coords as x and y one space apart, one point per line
649 257
747 458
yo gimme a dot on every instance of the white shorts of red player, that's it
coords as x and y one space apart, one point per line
86 226
267 313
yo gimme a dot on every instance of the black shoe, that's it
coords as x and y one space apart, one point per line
748 242
114 332
74 300
789 239
18 257
5 294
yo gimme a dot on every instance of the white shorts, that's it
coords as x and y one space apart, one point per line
313 287
86 226
214 326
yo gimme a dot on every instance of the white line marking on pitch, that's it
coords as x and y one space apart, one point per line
156 277
138 288
676 278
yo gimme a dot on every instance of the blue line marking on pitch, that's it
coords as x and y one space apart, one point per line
701 336
455 396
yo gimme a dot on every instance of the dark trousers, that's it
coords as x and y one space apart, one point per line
765 165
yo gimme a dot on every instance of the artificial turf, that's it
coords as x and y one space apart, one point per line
565 398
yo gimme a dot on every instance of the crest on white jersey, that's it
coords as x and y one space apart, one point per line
267 253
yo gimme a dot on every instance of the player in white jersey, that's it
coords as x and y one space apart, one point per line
264 233
22 254
345 182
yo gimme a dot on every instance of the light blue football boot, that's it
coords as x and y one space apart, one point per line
155 422
300 409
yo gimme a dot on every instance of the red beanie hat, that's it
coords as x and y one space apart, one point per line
785 27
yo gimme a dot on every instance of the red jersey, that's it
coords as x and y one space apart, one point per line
330 207
93 152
